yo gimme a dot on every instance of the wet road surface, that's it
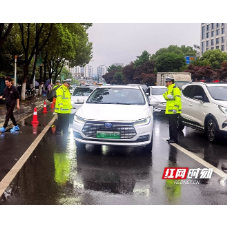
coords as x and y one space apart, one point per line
57 173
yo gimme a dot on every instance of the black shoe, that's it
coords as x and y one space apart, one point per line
172 141
58 133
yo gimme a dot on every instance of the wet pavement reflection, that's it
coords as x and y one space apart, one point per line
58 173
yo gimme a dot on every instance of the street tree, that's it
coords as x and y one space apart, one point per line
144 57
214 58
170 62
128 72
5 56
4 33
118 78
201 73
182 50
222 72
29 35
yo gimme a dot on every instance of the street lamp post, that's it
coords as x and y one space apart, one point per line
15 71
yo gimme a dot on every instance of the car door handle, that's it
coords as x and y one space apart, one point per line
190 104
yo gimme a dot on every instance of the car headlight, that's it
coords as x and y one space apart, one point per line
144 121
79 119
223 109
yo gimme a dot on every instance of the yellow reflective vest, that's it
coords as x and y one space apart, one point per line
175 102
63 102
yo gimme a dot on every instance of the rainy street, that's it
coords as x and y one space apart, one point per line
58 173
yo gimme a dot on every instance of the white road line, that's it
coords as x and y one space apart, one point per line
201 161
17 167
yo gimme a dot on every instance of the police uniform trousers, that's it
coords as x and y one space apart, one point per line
173 126
63 122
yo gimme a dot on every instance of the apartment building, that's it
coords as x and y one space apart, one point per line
213 36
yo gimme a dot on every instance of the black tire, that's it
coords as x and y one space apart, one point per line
211 130
148 147
180 125
80 146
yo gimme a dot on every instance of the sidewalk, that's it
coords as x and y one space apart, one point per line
26 108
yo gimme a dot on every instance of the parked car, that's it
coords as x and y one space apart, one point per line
156 92
115 115
204 107
79 96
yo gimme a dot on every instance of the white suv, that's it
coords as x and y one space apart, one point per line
115 115
204 107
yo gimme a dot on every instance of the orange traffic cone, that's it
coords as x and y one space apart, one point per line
45 107
52 105
35 117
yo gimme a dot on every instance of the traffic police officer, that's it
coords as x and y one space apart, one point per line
173 107
63 107
58 84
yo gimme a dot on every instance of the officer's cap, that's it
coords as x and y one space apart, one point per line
67 81
58 81
168 79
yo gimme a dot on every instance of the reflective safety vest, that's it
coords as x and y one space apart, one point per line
56 86
63 102
175 103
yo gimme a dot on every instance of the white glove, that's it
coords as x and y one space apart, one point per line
175 111
169 96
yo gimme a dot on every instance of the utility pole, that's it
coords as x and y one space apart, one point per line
15 71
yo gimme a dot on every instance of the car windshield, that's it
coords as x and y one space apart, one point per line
158 91
82 91
218 92
124 96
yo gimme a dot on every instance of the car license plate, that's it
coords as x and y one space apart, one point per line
108 135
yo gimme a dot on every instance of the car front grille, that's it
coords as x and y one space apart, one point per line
127 130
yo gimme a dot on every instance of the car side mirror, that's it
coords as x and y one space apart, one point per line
153 102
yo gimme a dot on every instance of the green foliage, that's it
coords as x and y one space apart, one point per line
214 58
170 62
183 50
144 57
118 77
114 68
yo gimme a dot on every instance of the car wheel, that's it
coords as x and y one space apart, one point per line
148 147
211 130
80 146
180 126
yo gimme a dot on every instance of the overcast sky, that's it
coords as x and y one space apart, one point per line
122 42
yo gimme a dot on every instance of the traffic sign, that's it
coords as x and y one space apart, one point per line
189 59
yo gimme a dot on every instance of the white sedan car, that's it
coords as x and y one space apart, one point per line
156 92
115 115
79 96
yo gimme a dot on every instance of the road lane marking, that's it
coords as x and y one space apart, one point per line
201 161
17 167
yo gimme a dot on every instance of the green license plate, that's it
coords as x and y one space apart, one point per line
108 135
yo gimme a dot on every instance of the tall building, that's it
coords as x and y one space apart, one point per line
213 36
101 70
79 71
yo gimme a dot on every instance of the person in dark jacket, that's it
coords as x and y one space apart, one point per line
11 97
